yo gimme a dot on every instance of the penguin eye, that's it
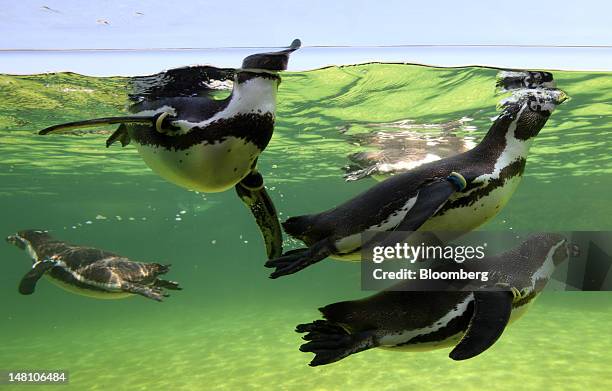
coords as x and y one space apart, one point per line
535 106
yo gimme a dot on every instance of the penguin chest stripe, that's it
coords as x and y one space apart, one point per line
353 242
252 128
486 187
406 336
31 252
545 271
80 278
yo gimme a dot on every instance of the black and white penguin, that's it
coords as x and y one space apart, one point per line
471 321
456 194
400 151
88 271
210 145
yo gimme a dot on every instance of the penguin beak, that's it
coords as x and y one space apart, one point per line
16 240
275 61
562 97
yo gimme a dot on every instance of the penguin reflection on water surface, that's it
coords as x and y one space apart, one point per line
413 320
407 146
394 152
210 145
88 271
456 194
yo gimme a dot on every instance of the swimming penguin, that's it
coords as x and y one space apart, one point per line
394 152
456 194
397 152
471 321
210 145
88 271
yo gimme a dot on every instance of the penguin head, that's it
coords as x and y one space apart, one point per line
531 108
30 237
539 255
545 100
273 61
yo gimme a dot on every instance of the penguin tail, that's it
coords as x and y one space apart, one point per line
337 312
161 269
298 226
331 342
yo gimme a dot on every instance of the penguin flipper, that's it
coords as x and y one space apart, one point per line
429 200
28 282
295 260
70 126
330 342
491 315
121 135
253 194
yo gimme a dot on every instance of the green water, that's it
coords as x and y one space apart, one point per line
231 327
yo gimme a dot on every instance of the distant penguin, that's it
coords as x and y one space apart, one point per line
209 145
88 271
413 320
456 194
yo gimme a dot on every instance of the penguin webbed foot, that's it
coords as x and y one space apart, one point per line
296 260
167 284
150 292
253 194
330 342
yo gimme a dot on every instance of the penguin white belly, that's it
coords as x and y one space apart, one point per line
89 292
206 168
391 341
427 346
453 220
470 217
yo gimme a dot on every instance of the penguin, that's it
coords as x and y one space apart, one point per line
88 271
455 195
407 149
210 145
399 151
470 321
